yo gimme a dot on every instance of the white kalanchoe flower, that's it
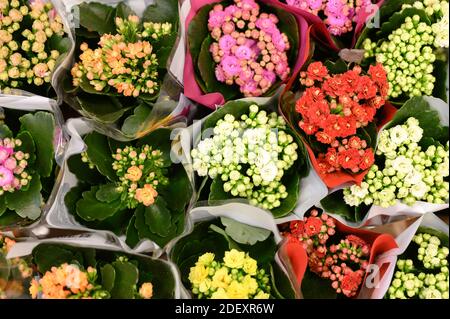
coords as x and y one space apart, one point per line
256 140
399 135
441 29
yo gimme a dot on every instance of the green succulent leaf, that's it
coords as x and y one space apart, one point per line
100 155
103 108
108 273
334 203
132 235
162 11
158 217
123 11
314 287
27 146
83 172
97 17
5 131
27 204
126 277
3 206
90 208
41 126
244 234
135 123
179 187
108 193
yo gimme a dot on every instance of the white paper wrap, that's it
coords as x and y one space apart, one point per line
88 240
177 67
243 213
27 102
403 240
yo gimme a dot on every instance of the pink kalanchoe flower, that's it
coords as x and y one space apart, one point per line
6 176
248 46
243 52
231 65
216 19
231 10
10 164
226 43
5 153
220 75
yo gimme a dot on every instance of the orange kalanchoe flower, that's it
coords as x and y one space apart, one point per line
146 195
65 281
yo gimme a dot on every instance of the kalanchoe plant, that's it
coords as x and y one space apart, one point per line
33 41
343 263
236 277
335 115
70 272
27 165
422 271
412 45
242 48
340 17
338 256
225 259
121 60
412 165
129 188
251 155
18 271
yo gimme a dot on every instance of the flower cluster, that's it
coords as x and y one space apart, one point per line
439 11
410 282
11 286
125 61
249 49
140 172
408 57
344 263
13 164
68 282
339 14
249 155
237 277
26 54
409 174
333 107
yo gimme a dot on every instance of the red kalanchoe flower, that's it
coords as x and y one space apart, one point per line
368 159
349 159
334 107
365 88
355 240
332 158
351 282
308 128
317 71
313 226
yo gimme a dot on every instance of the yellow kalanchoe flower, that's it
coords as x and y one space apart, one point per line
234 259
237 277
